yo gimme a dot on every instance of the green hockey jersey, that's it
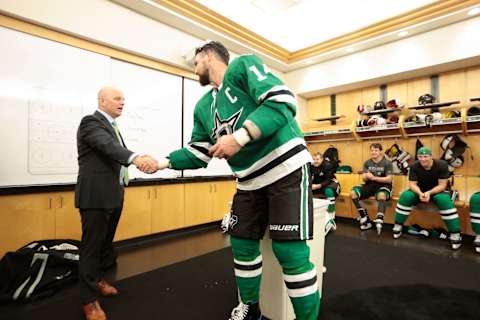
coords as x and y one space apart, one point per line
249 92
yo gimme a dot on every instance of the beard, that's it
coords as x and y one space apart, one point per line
204 79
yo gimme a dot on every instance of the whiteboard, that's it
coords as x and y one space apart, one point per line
151 122
193 91
47 87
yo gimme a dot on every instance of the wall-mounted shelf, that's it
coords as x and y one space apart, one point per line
342 134
374 112
330 118
442 126
473 123
434 105
390 130
460 125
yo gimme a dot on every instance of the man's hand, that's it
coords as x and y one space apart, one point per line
316 186
425 197
146 164
225 148
369 176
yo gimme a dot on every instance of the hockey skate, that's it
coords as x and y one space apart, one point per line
397 231
330 224
476 244
365 223
379 223
247 311
455 240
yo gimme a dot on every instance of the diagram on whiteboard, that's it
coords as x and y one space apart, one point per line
52 137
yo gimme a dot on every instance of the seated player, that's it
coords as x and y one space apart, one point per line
475 219
378 177
325 185
428 179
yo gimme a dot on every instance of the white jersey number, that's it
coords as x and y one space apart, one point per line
260 76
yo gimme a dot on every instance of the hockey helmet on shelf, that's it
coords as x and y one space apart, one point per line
379 105
473 111
426 99
452 114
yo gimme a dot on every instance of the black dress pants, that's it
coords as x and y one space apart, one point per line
98 231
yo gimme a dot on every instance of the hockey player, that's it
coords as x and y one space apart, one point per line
248 119
475 219
427 182
378 177
325 184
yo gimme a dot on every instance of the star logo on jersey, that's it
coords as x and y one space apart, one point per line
225 127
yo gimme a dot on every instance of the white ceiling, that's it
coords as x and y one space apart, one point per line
296 24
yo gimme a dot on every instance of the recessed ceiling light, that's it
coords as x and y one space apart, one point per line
474 11
308 61
402 33
350 49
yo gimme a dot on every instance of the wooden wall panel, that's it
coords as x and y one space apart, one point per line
26 218
472 166
452 87
168 207
398 90
370 95
318 108
416 88
347 103
68 224
472 85
136 215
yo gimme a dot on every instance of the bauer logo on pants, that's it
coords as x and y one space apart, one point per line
284 227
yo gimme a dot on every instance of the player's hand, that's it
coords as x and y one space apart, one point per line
425 197
225 148
146 164
369 176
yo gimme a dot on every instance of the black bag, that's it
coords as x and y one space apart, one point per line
401 159
418 145
38 269
331 154
453 149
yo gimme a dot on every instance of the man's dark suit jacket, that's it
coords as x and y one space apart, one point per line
100 156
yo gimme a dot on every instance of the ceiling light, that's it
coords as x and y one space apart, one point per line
350 49
474 11
402 33
308 61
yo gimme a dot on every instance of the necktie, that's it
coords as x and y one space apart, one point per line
123 170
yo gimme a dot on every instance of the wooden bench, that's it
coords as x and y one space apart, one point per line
425 215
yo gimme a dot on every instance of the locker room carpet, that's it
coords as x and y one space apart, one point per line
371 279
199 288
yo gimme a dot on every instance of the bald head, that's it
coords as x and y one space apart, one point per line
111 101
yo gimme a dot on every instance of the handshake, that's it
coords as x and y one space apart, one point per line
148 164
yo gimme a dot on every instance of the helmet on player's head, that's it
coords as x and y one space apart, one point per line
379 105
426 99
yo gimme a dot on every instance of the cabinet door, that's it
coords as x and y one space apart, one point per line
26 218
136 216
168 207
198 203
223 193
68 224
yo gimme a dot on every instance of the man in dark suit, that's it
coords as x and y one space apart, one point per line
103 159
